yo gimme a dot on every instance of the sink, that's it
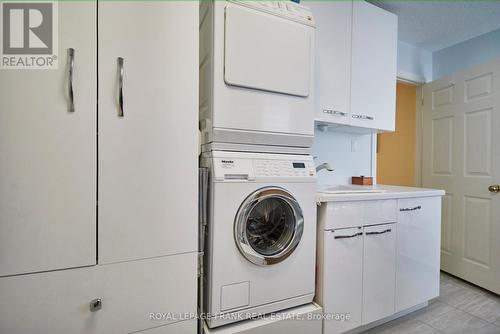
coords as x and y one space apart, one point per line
350 189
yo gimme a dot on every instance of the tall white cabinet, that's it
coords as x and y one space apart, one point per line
48 155
356 65
148 175
108 191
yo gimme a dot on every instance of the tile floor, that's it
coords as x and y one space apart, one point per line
461 308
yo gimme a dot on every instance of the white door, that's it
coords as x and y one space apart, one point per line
379 272
333 60
148 156
461 154
343 275
373 68
48 155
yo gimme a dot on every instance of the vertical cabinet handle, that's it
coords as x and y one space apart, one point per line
71 61
120 86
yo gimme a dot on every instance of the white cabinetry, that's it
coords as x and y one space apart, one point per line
48 155
376 257
59 302
333 60
148 158
418 251
143 169
356 65
342 275
379 272
374 67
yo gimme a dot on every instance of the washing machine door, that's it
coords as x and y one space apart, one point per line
268 226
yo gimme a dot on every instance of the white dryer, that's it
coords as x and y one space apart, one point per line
256 73
261 239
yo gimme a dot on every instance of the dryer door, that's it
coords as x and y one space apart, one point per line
266 52
268 226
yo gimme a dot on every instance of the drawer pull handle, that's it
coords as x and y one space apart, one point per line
370 118
379 232
348 236
95 305
411 209
334 112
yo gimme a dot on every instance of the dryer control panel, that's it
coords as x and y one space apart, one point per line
286 9
234 166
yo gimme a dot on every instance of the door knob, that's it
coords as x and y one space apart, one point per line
495 188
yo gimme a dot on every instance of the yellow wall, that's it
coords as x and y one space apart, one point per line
396 150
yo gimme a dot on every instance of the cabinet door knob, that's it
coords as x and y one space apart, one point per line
95 305
494 188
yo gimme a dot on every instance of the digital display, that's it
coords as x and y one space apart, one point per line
299 165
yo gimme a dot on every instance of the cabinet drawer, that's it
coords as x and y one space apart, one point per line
131 291
53 302
359 213
182 327
59 301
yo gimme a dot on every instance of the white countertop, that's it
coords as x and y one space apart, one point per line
375 192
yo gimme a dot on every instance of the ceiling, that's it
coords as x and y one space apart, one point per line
434 25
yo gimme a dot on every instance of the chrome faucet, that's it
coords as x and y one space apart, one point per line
325 165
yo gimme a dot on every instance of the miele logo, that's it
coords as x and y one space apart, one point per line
227 161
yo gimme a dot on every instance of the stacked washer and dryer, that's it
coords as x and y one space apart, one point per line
257 129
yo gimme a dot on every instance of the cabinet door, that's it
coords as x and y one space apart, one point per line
48 155
148 157
133 292
343 278
379 272
55 302
373 68
333 60
418 249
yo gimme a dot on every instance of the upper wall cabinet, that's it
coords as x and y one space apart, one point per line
356 65
333 60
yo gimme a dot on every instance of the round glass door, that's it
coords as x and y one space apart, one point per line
268 226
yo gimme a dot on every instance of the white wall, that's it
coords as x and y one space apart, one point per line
463 55
336 148
414 64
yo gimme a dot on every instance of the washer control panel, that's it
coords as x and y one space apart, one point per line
284 168
243 166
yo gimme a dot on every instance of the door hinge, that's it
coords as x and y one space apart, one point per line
200 264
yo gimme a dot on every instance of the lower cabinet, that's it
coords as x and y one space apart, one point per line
418 251
342 278
379 272
387 263
126 297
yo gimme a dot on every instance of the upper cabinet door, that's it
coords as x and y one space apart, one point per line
48 154
374 67
148 129
333 60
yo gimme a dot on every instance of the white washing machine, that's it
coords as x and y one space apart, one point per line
256 73
261 236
